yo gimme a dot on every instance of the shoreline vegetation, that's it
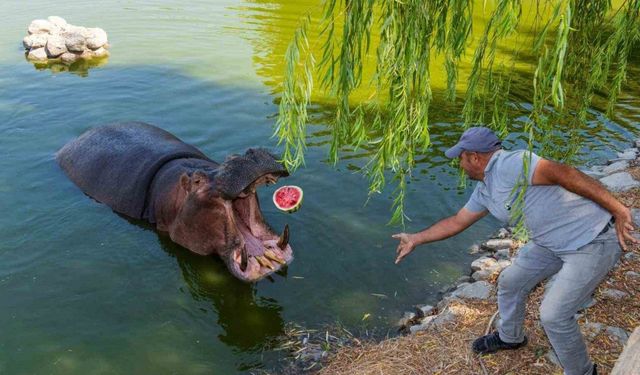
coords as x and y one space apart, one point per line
437 339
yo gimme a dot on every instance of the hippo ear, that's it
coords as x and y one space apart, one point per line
185 182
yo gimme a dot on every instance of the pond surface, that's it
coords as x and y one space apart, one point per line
84 290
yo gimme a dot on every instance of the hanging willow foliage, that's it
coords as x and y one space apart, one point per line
582 47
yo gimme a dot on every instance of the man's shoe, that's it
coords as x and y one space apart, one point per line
491 343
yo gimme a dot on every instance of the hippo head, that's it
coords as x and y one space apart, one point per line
221 214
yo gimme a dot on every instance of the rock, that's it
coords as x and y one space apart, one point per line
628 154
40 27
629 360
503 263
592 330
424 324
58 22
100 52
498 244
614 294
593 174
597 168
632 275
481 275
404 321
553 358
484 263
502 254
637 143
464 279
616 167
37 54
426 309
69 57
55 46
75 42
503 233
619 182
444 317
619 334
477 290
35 41
474 249
632 257
97 38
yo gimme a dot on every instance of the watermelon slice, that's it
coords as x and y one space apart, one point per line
288 198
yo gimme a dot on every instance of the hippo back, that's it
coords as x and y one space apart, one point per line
116 163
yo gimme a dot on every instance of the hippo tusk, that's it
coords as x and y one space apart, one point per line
244 261
272 256
284 239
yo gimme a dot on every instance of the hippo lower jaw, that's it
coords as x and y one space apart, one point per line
260 252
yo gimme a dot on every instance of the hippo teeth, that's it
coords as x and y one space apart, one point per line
284 239
264 262
269 254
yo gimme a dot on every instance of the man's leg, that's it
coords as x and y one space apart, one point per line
581 272
532 265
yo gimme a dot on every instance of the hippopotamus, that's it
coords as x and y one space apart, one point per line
147 173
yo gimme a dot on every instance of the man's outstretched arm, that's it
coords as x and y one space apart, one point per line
551 173
444 228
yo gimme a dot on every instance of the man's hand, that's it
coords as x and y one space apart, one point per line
405 246
624 226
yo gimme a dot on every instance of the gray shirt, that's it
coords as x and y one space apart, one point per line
555 217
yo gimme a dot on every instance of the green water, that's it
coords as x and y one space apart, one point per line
84 290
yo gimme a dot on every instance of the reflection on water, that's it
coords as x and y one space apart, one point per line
80 67
249 321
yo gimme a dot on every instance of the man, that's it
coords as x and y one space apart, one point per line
576 226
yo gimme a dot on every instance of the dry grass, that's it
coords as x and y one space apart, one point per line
447 349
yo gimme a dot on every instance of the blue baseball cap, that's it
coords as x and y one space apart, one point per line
476 139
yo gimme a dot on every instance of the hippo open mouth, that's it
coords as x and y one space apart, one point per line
260 251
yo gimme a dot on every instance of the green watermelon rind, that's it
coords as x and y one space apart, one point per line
294 208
